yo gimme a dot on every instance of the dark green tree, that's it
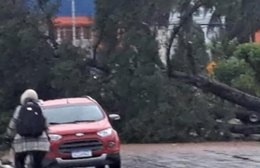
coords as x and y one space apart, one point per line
151 105
26 56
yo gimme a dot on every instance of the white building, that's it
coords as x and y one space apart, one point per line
201 17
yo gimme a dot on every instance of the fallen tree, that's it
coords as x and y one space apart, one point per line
193 77
200 81
219 89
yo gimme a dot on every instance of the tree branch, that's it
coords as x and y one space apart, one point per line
191 59
221 90
96 45
176 30
49 23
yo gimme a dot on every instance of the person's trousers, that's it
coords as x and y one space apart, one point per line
37 157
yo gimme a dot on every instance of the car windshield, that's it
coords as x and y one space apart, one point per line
72 114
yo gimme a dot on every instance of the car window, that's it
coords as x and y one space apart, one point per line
72 113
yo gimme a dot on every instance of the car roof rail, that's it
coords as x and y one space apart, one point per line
90 98
40 101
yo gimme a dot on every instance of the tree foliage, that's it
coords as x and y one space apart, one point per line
240 70
127 75
153 108
26 56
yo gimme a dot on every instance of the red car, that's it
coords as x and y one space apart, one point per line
81 134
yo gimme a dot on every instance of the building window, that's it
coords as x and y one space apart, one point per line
87 32
78 32
66 34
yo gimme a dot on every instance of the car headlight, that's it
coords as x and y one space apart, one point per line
55 137
105 132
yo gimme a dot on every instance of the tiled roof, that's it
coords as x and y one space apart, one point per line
67 21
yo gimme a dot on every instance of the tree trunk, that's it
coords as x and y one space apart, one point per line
221 90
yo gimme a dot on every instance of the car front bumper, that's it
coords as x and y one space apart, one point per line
103 159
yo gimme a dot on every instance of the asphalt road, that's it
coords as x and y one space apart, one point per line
203 155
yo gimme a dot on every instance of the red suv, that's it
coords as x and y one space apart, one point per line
81 134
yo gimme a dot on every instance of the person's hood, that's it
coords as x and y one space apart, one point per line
28 94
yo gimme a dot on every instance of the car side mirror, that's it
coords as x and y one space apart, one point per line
114 117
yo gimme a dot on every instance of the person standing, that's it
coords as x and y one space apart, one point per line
28 131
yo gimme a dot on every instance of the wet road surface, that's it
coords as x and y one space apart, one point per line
192 155
202 155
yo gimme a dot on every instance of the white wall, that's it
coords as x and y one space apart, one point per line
163 34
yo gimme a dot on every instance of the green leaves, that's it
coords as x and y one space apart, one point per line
230 69
25 55
137 87
242 69
68 71
249 51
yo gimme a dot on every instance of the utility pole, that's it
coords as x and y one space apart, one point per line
73 17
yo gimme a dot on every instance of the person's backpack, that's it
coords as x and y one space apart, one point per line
30 122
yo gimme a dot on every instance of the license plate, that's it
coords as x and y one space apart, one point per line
81 154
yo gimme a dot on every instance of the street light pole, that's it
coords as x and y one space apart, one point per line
73 14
